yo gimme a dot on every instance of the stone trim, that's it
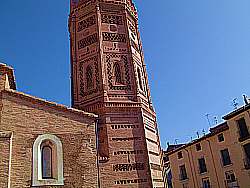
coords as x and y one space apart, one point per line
48 103
57 167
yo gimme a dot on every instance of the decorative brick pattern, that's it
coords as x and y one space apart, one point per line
87 41
134 181
112 19
127 127
129 167
84 24
114 37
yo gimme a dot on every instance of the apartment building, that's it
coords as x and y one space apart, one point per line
220 159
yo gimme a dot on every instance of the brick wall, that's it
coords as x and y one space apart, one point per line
4 158
29 118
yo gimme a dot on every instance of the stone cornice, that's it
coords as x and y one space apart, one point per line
48 103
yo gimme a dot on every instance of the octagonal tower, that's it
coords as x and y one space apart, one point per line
109 78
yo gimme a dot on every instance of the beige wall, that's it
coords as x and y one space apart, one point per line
211 148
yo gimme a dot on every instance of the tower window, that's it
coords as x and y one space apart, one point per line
89 77
117 72
47 162
139 78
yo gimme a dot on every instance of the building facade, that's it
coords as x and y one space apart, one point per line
109 78
43 144
219 159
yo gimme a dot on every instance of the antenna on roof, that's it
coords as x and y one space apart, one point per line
235 103
207 116
246 100
176 141
204 132
198 135
168 144
215 120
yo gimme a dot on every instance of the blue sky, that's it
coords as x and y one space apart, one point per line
197 54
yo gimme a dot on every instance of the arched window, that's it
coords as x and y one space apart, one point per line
47 161
139 78
117 73
89 77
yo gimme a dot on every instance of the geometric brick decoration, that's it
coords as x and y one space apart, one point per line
109 78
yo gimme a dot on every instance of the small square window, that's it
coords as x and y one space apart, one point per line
221 137
198 147
180 156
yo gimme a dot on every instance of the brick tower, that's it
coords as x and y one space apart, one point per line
109 78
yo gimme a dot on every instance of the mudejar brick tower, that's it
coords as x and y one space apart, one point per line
109 78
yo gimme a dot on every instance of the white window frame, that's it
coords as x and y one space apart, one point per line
57 166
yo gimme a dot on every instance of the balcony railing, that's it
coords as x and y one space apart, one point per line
208 186
183 177
247 163
230 184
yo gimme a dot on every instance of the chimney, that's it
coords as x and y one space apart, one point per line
7 79
246 100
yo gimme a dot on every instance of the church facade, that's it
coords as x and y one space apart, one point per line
43 144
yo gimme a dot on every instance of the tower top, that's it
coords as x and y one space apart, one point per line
129 4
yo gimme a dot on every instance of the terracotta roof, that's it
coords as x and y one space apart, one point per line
48 103
173 147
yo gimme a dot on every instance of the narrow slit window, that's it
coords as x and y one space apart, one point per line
117 71
47 162
139 78
89 77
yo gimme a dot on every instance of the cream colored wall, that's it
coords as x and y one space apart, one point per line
238 153
211 148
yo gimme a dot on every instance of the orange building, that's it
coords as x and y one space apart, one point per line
220 159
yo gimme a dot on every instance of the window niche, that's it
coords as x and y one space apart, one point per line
89 77
117 73
140 78
47 161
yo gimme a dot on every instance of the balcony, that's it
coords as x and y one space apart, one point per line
183 177
244 137
208 186
247 163
230 184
